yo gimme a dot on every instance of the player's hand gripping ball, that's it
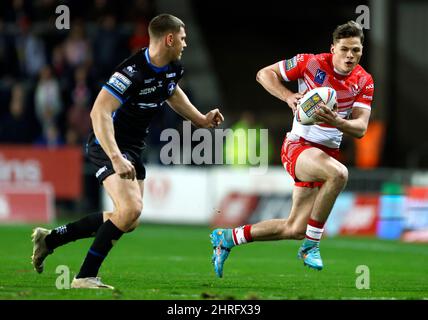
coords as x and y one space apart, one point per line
309 103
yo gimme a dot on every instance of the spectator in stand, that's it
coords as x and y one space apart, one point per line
77 47
30 50
99 9
141 10
78 119
17 9
44 10
47 99
61 70
50 137
140 37
108 48
8 57
71 137
14 127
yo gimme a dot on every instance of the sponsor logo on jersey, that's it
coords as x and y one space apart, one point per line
370 86
146 81
367 97
290 63
170 75
119 82
129 70
147 90
355 89
122 78
319 76
171 87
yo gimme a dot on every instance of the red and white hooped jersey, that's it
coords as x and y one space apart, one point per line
354 90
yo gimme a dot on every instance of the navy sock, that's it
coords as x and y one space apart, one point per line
83 228
107 234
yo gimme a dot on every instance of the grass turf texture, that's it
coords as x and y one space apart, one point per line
174 262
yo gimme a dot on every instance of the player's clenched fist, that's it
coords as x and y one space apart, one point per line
124 168
213 119
293 100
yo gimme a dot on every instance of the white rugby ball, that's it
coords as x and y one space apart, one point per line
309 103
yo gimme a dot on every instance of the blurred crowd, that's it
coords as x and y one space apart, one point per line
49 78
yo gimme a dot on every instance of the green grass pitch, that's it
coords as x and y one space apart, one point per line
173 263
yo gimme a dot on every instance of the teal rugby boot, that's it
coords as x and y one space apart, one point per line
222 242
309 252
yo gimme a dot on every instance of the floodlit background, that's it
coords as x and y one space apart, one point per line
49 79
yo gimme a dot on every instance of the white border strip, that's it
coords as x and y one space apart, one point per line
282 70
361 105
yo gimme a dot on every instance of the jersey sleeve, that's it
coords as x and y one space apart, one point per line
123 82
365 97
179 71
292 69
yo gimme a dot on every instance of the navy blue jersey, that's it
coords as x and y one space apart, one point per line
142 89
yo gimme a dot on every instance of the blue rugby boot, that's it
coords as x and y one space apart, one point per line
222 242
309 252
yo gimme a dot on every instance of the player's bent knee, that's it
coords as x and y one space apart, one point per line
134 213
339 176
133 226
131 213
342 176
298 233
280 230
287 230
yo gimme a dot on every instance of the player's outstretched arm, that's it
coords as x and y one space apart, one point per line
181 104
356 126
102 122
270 78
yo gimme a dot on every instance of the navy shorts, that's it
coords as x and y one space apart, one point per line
103 165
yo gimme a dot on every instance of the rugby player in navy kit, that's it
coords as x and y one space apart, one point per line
121 114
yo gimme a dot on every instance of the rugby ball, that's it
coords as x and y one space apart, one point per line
310 101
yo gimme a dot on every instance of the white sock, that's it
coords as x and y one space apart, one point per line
313 233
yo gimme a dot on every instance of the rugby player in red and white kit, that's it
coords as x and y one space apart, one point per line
309 152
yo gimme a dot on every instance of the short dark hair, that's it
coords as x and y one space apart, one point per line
348 30
164 23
